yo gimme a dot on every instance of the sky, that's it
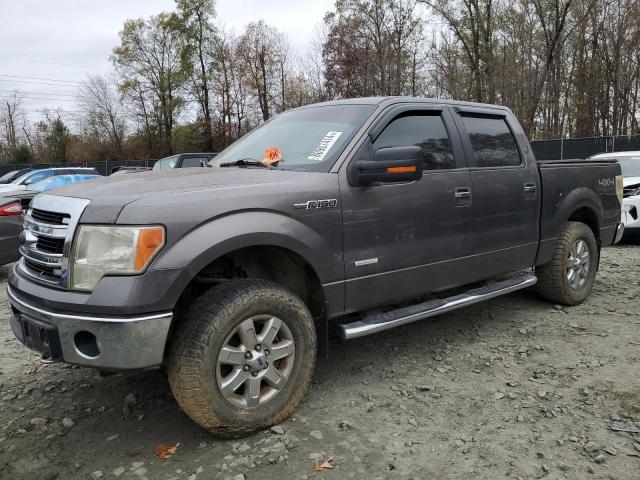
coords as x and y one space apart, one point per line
47 47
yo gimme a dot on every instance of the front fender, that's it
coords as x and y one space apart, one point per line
224 234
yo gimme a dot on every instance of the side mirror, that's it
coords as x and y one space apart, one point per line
389 165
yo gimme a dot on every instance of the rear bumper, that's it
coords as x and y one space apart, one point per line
107 342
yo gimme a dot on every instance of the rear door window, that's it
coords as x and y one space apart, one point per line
493 143
425 131
191 162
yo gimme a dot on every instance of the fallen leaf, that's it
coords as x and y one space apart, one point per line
36 368
163 451
328 464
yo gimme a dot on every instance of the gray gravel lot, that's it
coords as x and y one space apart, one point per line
512 388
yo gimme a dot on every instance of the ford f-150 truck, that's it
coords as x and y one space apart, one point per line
352 217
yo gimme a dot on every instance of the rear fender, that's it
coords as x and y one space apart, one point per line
563 209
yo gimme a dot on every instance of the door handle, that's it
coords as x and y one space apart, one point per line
462 193
530 188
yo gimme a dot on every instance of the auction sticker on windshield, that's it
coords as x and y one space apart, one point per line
324 146
272 155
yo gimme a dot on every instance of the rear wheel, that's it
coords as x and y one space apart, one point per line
568 278
242 357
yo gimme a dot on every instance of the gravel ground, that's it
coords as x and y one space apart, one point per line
512 388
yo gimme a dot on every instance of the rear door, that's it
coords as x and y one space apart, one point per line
506 188
401 240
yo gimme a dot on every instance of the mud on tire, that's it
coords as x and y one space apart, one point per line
554 284
193 366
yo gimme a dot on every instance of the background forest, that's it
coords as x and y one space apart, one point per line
183 82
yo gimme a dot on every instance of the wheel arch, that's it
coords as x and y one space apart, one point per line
580 205
255 244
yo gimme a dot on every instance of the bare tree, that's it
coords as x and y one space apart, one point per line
9 117
102 112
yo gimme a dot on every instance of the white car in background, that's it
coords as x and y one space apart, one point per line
630 164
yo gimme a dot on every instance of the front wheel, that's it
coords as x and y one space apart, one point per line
242 357
569 277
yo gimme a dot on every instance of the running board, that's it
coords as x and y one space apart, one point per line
378 321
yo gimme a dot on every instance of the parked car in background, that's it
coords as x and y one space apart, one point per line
127 170
184 160
10 227
11 176
35 176
15 204
630 165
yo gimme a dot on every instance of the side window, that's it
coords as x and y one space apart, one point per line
493 143
166 163
425 131
190 162
38 177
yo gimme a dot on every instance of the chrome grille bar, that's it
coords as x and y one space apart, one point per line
54 228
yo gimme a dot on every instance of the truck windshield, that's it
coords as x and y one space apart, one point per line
630 166
309 139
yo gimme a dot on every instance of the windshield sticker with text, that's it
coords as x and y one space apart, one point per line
324 146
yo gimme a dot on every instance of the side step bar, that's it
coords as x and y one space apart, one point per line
378 321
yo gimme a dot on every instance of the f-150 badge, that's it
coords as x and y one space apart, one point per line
317 204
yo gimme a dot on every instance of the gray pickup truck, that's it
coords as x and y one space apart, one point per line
348 217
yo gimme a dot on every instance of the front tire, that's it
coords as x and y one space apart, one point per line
569 277
242 357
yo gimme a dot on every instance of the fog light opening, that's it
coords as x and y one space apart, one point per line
86 344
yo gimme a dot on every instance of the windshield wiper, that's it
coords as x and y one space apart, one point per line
245 162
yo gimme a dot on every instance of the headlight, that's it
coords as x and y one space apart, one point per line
118 250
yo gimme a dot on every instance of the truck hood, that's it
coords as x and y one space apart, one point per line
626 181
127 189
110 195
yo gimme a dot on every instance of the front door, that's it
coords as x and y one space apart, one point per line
402 240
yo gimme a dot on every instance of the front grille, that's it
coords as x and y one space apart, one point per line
49 225
43 271
53 218
51 245
631 190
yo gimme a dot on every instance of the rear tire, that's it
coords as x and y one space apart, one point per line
222 366
569 277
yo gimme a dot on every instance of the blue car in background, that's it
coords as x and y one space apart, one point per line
14 203
31 177
60 181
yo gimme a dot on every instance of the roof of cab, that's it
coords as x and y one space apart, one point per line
399 99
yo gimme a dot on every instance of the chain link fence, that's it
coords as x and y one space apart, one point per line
105 167
583 147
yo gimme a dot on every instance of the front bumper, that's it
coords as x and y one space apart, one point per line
631 213
106 342
619 233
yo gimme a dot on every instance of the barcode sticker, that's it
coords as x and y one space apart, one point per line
324 146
